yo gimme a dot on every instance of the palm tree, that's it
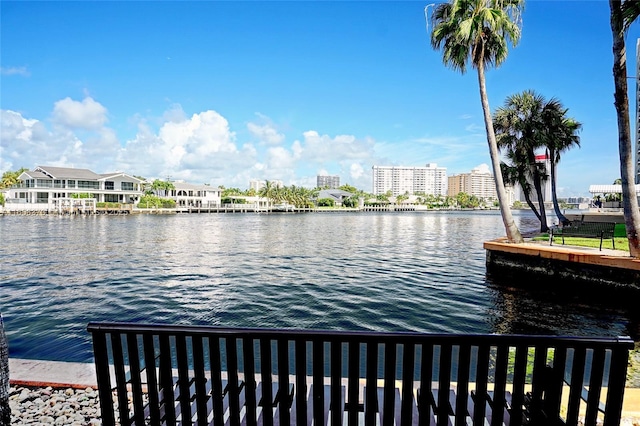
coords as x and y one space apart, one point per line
516 175
519 129
5 411
562 134
623 14
478 31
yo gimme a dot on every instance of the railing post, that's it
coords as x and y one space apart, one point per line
615 391
101 359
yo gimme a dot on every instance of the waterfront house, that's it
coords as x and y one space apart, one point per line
190 195
43 187
337 195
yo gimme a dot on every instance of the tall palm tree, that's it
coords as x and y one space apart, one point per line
623 14
478 31
519 130
5 411
561 134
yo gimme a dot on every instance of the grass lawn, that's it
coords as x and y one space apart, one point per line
621 242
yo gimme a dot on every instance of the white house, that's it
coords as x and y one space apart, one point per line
45 185
189 195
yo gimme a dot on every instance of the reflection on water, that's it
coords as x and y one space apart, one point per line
356 271
552 307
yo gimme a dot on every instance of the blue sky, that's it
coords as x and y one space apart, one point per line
224 92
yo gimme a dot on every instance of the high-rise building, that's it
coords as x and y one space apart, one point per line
479 183
333 182
412 180
546 188
257 184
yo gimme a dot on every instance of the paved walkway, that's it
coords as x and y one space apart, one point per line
40 374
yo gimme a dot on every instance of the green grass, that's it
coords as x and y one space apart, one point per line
621 242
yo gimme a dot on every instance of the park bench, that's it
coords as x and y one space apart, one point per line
183 375
600 230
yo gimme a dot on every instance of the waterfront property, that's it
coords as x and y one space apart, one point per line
44 187
190 195
54 189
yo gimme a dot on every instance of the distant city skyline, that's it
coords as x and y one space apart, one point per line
221 93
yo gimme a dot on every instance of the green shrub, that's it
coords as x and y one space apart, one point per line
326 202
155 202
81 195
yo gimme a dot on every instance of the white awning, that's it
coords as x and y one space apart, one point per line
609 189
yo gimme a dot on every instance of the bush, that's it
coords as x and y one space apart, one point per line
108 205
325 202
81 195
229 200
155 202
1 199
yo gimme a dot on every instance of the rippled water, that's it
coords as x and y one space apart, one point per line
371 271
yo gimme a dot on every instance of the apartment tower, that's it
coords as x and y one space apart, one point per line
412 180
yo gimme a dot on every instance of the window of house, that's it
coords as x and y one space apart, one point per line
108 185
111 198
42 197
88 184
126 186
71 183
44 183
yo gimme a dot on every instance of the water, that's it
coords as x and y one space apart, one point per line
351 271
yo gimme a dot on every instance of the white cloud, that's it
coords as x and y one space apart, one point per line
356 171
266 133
88 114
23 71
483 168
324 148
201 148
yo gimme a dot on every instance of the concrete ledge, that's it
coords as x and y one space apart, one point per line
609 268
57 374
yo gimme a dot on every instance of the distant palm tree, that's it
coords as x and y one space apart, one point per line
478 31
5 411
520 131
623 14
561 135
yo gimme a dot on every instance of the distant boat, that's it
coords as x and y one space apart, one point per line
282 207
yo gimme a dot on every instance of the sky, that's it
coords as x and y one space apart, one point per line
220 93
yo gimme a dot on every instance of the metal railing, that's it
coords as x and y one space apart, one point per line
207 375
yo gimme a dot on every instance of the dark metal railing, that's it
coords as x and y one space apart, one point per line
158 374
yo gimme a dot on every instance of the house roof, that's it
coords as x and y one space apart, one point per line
609 189
190 186
337 194
66 173
116 174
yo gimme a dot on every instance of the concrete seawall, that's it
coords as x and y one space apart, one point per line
573 265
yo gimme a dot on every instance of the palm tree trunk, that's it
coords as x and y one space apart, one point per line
5 411
629 196
538 187
513 233
532 206
562 218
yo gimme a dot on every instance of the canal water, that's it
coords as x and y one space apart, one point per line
409 271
